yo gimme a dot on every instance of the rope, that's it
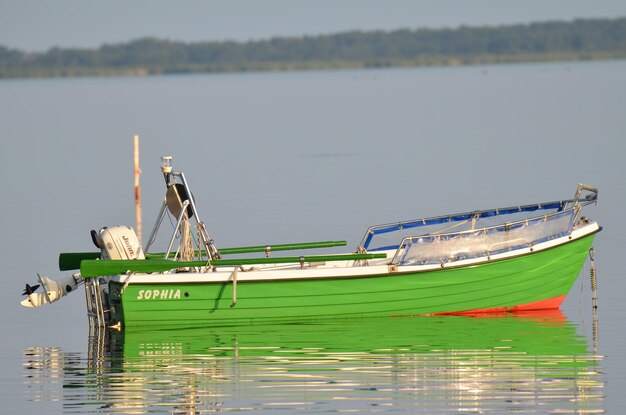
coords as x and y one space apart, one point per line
361 262
594 280
454 226
124 287
186 244
234 278
594 299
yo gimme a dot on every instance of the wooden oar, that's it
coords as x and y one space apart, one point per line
71 260
101 268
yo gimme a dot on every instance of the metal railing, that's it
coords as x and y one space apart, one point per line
459 219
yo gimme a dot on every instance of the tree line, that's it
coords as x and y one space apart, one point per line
582 39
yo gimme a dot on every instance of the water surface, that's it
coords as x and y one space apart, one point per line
294 157
522 364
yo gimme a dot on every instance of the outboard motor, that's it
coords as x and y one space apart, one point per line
52 290
116 242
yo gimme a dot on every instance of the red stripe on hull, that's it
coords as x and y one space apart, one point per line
548 304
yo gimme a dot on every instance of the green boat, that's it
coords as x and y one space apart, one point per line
486 261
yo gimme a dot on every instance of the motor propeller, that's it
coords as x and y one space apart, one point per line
52 290
30 289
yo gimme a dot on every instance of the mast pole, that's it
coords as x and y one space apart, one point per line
137 188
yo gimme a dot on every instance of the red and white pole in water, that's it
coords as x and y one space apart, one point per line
137 189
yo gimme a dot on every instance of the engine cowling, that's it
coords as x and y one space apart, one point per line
118 242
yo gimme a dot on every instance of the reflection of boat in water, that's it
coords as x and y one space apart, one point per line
524 332
412 364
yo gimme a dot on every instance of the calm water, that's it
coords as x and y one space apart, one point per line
417 365
297 157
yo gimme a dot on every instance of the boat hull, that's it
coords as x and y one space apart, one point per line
532 281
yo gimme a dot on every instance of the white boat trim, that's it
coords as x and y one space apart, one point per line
338 270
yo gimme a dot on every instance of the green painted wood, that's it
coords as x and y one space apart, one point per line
101 268
264 248
71 260
505 283
282 247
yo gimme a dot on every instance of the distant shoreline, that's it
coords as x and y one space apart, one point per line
579 40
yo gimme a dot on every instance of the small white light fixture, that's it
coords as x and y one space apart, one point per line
166 164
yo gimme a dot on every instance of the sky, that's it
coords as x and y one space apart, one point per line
37 25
